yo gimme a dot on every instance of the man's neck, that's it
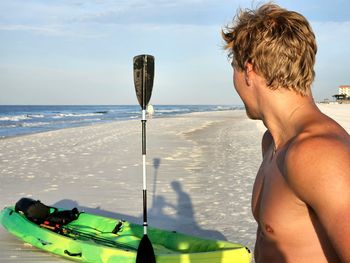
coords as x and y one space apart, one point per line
285 115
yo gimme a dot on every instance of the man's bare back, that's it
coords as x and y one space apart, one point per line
289 230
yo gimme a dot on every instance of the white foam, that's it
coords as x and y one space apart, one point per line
34 124
35 116
63 115
14 118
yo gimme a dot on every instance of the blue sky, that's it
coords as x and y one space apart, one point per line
80 51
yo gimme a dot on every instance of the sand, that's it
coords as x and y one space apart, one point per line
201 168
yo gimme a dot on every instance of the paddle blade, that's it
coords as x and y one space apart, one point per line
143 78
145 252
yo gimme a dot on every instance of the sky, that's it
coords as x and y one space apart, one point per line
75 52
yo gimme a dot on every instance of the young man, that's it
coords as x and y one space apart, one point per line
301 196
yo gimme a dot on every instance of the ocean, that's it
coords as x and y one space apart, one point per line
18 120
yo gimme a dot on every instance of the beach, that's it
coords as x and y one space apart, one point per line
200 168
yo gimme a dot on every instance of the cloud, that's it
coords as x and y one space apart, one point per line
116 12
104 18
333 37
332 30
53 30
40 29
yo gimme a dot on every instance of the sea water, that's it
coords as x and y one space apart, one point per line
18 120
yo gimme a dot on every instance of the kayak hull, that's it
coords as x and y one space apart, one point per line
90 238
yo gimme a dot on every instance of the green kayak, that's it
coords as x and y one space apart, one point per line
94 238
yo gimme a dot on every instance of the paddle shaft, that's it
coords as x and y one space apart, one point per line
97 239
74 233
144 177
143 120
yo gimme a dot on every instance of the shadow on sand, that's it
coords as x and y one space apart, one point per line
180 220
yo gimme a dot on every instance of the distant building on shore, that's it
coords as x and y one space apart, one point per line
343 95
344 89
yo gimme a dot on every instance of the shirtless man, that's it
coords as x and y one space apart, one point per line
301 196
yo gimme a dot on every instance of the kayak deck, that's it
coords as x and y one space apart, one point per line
94 238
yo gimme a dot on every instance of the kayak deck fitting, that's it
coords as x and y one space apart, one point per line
94 238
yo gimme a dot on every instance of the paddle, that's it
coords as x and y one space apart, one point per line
143 80
76 234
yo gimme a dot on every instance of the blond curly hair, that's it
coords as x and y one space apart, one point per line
280 45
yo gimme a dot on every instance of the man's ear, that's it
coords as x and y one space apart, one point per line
248 73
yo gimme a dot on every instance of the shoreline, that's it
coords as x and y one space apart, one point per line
23 120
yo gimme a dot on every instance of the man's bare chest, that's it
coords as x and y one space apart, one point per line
274 203
286 225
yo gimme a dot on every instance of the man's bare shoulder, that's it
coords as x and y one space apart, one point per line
318 158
